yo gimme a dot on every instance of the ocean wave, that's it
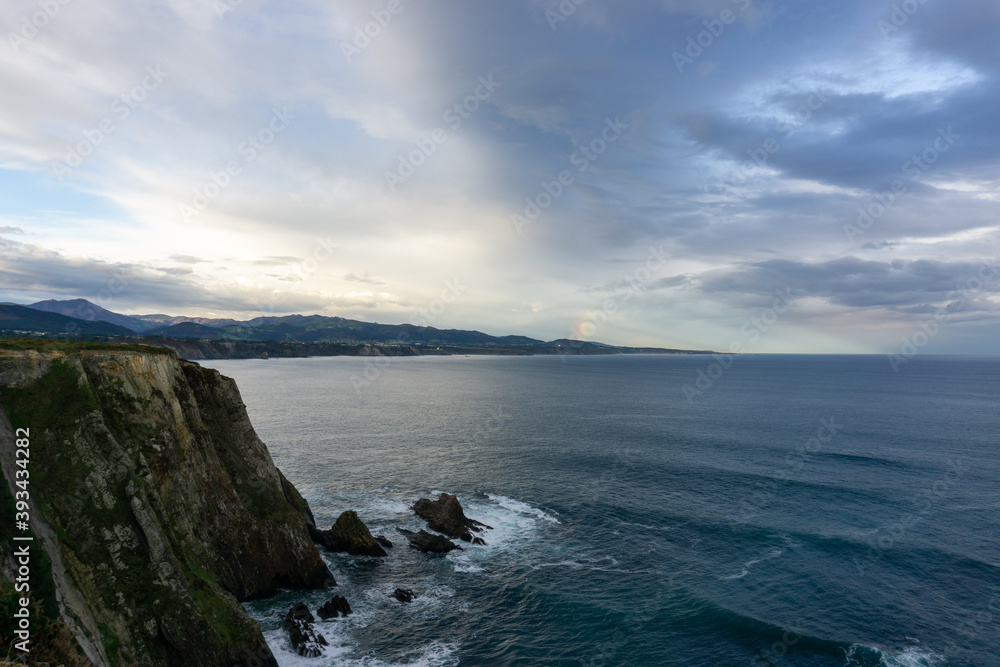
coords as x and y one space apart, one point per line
776 641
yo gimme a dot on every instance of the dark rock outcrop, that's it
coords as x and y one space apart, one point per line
403 595
445 515
156 505
306 641
334 607
428 542
383 541
349 535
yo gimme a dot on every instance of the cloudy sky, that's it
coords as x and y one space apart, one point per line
794 176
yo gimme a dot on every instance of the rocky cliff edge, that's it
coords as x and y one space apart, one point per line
156 507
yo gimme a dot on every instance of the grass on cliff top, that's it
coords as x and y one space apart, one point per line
55 400
45 345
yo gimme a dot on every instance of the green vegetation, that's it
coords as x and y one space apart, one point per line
56 400
43 588
51 640
112 644
68 347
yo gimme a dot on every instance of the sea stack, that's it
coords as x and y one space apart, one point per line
445 515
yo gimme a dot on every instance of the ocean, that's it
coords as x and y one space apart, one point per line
650 510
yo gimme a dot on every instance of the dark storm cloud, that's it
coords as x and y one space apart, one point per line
849 281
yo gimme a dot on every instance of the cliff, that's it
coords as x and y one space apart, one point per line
156 508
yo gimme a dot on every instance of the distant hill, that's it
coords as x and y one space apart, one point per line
190 330
23 318
82 309
288 328
159 320
316 328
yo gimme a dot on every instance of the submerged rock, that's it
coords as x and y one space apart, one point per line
403 595
384 541
429 543
298 623
350 535
334 607
445 515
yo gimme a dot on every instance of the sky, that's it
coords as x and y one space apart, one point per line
768 176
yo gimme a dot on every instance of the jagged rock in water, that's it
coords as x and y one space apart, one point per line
300 612
428 542
334 607
445 515
163 509
350 535
384 541
306 641
403 595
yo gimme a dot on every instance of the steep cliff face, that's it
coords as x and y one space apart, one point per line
157 504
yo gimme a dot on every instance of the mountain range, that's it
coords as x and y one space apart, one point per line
83 318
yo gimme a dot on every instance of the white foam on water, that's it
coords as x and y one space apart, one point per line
747 566
522 508
910 657
913 657
426 596
646 526
469 569
339 652
594 564
512 522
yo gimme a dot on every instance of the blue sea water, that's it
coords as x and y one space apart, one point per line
803 510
